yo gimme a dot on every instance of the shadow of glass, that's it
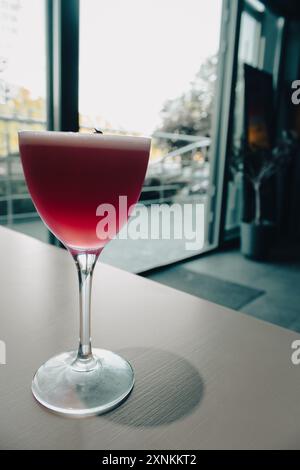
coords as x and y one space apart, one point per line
167 388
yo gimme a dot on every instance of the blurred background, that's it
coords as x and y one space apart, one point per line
215 86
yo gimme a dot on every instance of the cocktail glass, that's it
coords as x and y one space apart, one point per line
73 180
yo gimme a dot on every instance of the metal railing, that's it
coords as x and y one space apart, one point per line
181 173
176 174
11 173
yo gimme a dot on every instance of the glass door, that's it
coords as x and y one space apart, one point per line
151 68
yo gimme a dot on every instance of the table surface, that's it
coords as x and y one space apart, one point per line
206 377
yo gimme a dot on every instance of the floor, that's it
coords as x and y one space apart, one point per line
279 279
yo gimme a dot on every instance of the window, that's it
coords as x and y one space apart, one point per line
22 98
259 46
151 68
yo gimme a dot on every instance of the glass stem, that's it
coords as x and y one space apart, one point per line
85 263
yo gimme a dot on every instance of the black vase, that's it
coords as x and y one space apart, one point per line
257 239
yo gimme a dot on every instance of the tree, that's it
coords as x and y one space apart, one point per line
191 113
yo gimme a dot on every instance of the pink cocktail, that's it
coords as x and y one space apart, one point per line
69 176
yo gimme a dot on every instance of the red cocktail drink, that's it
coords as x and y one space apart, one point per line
69 175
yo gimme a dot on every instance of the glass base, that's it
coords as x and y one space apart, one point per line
90 387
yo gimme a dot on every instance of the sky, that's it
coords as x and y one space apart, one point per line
134 54
26 50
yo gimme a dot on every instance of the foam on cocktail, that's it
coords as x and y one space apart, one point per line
116 142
